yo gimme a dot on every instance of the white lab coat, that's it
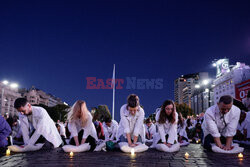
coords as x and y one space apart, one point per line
182 131
110 132
213 122
16 130
89 129
42 124
166 128
131 124
151 129
62 129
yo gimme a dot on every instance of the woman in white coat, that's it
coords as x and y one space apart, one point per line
181 130
131 128
81 126
166 121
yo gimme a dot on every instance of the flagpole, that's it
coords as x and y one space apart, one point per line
113 84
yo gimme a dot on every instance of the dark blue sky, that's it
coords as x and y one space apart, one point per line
55 45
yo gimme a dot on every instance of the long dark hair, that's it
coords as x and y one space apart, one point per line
163 116
133 101
180 120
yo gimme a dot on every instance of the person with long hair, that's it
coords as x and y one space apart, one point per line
181 130
166 120
131 128
81 126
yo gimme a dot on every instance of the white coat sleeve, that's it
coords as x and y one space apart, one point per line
124 121
139 124
232 125
211 125
72 129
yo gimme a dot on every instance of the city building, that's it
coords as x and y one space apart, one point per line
235 82
9 93
184 87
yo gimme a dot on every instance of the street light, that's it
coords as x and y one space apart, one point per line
197 86
205 82
5 82
14 85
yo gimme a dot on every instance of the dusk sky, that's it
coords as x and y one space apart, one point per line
55 45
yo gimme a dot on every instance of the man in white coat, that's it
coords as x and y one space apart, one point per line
131 127
220 123
110 128
36 122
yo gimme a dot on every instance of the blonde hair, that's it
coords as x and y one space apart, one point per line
79 106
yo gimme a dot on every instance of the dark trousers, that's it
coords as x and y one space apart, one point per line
90 140
166 137
209 139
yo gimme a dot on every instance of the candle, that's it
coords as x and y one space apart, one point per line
186 155
240 155
8 152
132 151
71 154
197 141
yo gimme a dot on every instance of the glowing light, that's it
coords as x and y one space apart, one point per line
197 86
8 152
186 155
5 82
240 155
132 151
71 154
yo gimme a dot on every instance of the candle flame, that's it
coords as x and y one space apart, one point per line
240 155
132 151
71 153
8 152
186 155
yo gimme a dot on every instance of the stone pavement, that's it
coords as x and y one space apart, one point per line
150 158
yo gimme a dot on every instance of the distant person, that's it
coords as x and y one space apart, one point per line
166 120
241 133
110 128
131 128
81 126
181 129
246 101
5 131
220 124
150 129
61 130
36 124
196 133
99 130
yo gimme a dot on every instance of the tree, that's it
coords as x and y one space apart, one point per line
184 109
58 112
102 113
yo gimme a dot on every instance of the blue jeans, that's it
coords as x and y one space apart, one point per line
123 139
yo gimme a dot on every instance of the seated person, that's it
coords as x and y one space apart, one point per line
110 128
241 133
150 129
181 129
5 131
220 124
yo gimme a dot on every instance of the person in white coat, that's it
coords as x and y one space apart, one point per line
166 121
81 126
36 124
150 129
181 129
131 127
110 128
220 123
241 133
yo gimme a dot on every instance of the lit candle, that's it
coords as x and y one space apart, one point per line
8 152
197 141
71 154
186 155
240 155
132 151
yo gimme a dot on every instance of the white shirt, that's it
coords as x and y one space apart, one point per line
213 122
131 124
242 126
167 128
89 129
151 129
62 129
43 125
110 132
182 130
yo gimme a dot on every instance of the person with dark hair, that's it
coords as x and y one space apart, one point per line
131 128
110 129
181 129
99 130
220 124
246 101
166 121
150 129
196 133
241 133
61 131
16 131
36 124
5 131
